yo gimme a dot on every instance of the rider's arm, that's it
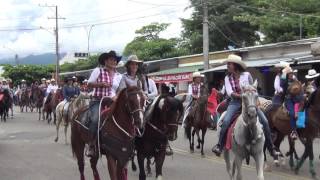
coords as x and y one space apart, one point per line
190 89
153 88
277 86
93 79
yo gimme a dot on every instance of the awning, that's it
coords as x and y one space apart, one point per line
180 74
251 63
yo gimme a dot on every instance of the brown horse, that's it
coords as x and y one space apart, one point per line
37 99
198 119
116 135
162 127
4 104
24 99
50 107
279 121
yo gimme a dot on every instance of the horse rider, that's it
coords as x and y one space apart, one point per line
84 86
278 97
194 92
69 92
104 81
152 91
314 79
310 84
292 101
5 85
237 77
52 87
75 81
43 84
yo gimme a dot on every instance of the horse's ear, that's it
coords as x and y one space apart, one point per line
255 84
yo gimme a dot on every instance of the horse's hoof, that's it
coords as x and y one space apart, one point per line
198 147
296 171
276 162
56 139
149 174
202 155
267 168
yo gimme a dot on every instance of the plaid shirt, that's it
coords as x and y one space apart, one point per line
104 76
235 85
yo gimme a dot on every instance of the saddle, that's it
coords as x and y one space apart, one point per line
228 144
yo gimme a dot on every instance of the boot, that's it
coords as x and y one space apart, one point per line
217 150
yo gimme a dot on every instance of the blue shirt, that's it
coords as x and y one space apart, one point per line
70 91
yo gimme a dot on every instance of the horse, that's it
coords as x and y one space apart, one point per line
279 120
75 103
50 107
4 104
198 119
116 134
37 99
163 126
24 99
247 135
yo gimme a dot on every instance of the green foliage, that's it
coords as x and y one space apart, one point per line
81 64
28 72
224 29
147 45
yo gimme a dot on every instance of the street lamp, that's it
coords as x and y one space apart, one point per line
15 54
88 35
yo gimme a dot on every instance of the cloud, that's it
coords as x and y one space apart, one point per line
116 22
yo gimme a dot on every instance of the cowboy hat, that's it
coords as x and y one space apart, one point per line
197 74
312 73
23 80
105 56
86 80
282 64
133 58
52 80
287 70
236 59
43 79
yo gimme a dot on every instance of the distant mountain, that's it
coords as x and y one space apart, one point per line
41 59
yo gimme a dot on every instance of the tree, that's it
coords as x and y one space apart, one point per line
279 20
148 45
28 72
225 30
81 64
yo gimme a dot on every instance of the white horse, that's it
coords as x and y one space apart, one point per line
74 105
247 138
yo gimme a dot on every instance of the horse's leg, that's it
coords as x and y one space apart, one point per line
65 132
148 167
277 143
112 167
122 172
159 159
54 116
142 173
291 152
39 109
226 154
192 139
133 164
311 157
303 158
202 140
78 148
199 140
57 128
259 165
238 163
93 162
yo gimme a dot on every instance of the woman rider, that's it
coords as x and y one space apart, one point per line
104 81
69 92
278 97
235 78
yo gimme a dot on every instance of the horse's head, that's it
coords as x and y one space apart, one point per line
250 103
134 101
295 88
170 111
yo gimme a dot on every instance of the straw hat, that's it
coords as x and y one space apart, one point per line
287 70
282 64
52 80
197 74
237 60
133 58
312 73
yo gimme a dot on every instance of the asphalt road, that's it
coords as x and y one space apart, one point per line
28 152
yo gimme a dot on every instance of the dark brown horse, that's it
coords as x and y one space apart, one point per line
50 107
24 99
279 121
162 127
198 119
37 96
116 136
4 104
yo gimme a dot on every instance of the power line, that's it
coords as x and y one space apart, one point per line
154 4
224 35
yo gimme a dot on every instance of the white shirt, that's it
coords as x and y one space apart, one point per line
152 89
277 87
190 90
245 79
52 88
115 81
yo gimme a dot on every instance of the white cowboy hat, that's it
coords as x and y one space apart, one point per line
237 60
312 73
43 79
282 64
23 80
287 70
197 74
133 58
52 80
4 80
86 80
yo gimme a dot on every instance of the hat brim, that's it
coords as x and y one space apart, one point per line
239 62
201 76
312 76
105 56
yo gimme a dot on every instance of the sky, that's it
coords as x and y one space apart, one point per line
112 24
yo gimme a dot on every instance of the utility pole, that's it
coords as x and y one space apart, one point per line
205 35
57 40
88 36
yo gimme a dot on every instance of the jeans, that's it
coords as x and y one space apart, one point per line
266 129
93 117
233 108
290 107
